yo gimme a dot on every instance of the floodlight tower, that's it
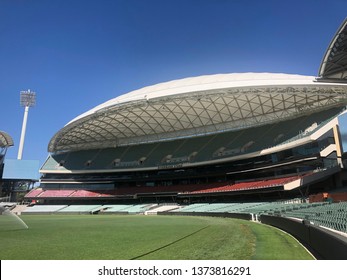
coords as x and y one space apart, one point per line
27 99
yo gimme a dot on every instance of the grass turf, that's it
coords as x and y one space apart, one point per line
102 237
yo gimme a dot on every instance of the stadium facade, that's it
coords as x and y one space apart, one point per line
6 141
16 176
220 137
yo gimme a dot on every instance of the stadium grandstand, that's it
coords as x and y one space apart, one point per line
224 137
267 147
256 143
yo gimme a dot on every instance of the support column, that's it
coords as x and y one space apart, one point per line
22 136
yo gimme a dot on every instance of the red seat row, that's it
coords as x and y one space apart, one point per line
187 189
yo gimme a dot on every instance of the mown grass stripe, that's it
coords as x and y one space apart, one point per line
169 244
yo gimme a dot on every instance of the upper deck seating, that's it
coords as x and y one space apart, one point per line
204 148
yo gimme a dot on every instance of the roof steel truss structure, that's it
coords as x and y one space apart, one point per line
192 114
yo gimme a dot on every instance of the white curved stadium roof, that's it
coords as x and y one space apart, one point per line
202 83
197 106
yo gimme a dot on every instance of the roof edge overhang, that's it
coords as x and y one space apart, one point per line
331 96
5 140
333 67
202 83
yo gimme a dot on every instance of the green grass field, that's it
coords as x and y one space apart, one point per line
107 237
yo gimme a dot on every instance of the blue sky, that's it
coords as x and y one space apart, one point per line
76 54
